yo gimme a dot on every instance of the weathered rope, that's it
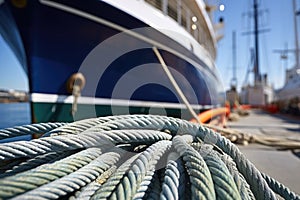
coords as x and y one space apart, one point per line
131 157
28 129
279 188
75 180
132 184
174 183
29 180
14 168
241 183
224 184
200 177
70 142
105 188
259 186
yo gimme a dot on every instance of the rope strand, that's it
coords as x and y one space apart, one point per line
130 157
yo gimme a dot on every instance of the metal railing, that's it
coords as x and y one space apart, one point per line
193 22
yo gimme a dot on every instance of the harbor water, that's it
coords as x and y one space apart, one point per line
14 114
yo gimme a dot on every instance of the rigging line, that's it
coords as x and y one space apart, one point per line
248 41
175 85
266 58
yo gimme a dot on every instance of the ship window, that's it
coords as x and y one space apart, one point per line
182 13
172 9
172 13
184 16
183 22
156 3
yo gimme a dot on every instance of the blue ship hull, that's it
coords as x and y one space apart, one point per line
117 64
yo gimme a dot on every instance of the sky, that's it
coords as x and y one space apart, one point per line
12 75
276 15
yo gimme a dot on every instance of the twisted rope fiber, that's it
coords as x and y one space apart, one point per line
28 180
84 140
241 183
135 181
75 127
173 186
225 187
108 187
98 124
29 129
279 188
155 187
85 124
74 181
200 177
257 183
104 131
162 148
181 126
35 162
126 122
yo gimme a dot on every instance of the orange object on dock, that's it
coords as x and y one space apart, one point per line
245 106
207 115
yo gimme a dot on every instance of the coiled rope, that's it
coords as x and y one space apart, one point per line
28 129
131 157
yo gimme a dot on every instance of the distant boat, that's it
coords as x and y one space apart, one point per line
105 48
260 92
288 97
291 88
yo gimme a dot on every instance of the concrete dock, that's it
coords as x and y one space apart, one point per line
284 166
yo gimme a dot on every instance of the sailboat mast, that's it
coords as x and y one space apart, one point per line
234 76
256 62
296 35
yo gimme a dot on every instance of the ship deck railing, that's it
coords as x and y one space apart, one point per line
189 17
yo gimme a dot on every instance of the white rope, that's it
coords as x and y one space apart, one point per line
175 85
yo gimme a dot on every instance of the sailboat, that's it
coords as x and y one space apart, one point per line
260 93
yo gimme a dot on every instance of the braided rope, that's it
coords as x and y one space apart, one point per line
99 124
279 188
75 180
200 177
84 140
35 162
28 129
25 181
174 180
86 174
105 190
75 127
259 186
154 188
241 183
159 149
225 187
131 185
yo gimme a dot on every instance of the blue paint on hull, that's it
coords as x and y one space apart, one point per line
57 43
